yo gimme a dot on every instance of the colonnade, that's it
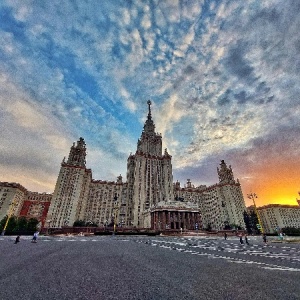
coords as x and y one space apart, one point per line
170 219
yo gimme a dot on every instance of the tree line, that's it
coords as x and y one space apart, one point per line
19 225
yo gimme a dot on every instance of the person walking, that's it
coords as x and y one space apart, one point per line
35 236
246 239
225 236
241 239
17 239
265 238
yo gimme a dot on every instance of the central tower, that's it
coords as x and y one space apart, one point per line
150 142
149 173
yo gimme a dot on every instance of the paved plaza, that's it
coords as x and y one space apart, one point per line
135 267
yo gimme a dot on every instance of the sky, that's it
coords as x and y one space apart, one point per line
223 78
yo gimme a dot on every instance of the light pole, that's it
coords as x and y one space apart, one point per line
253 196
10 212
115 212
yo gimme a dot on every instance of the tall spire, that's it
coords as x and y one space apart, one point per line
149 108
149 126
150 142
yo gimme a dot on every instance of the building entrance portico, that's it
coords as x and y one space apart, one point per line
173 216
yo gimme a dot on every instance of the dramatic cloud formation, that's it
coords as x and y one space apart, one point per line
223 77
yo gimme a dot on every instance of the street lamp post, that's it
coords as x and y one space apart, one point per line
115 212
253 196
10 212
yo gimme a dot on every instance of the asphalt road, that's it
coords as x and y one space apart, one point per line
147 268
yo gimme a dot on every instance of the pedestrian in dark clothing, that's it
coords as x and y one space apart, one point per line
225 236
241 240
246 239
17 239
265 238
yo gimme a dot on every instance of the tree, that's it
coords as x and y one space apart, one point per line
208 227
91 224
22 224
32 224
291 231
253 220
247 222
79 223
12 224
2 223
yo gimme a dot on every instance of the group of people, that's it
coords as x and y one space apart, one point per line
246 239
241 235
34 238
241 238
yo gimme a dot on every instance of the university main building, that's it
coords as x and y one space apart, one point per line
147 199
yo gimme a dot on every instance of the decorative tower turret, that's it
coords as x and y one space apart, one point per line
225 173
77 154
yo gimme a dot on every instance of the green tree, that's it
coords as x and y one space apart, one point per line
32 224
208 227
253 222
22 224
247 222
2 223
79 223
12 224
291 231
91 224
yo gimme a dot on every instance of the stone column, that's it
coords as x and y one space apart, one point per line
188 220
155 220
164 215
159 220
193 220
152 218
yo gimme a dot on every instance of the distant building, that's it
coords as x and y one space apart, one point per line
148 198
11 198
36 205
16 200
277 216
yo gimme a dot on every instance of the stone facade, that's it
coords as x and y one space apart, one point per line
277 216
18 201
148 197
220 204
11 198
72 188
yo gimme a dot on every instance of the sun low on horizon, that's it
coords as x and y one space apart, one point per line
281 186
